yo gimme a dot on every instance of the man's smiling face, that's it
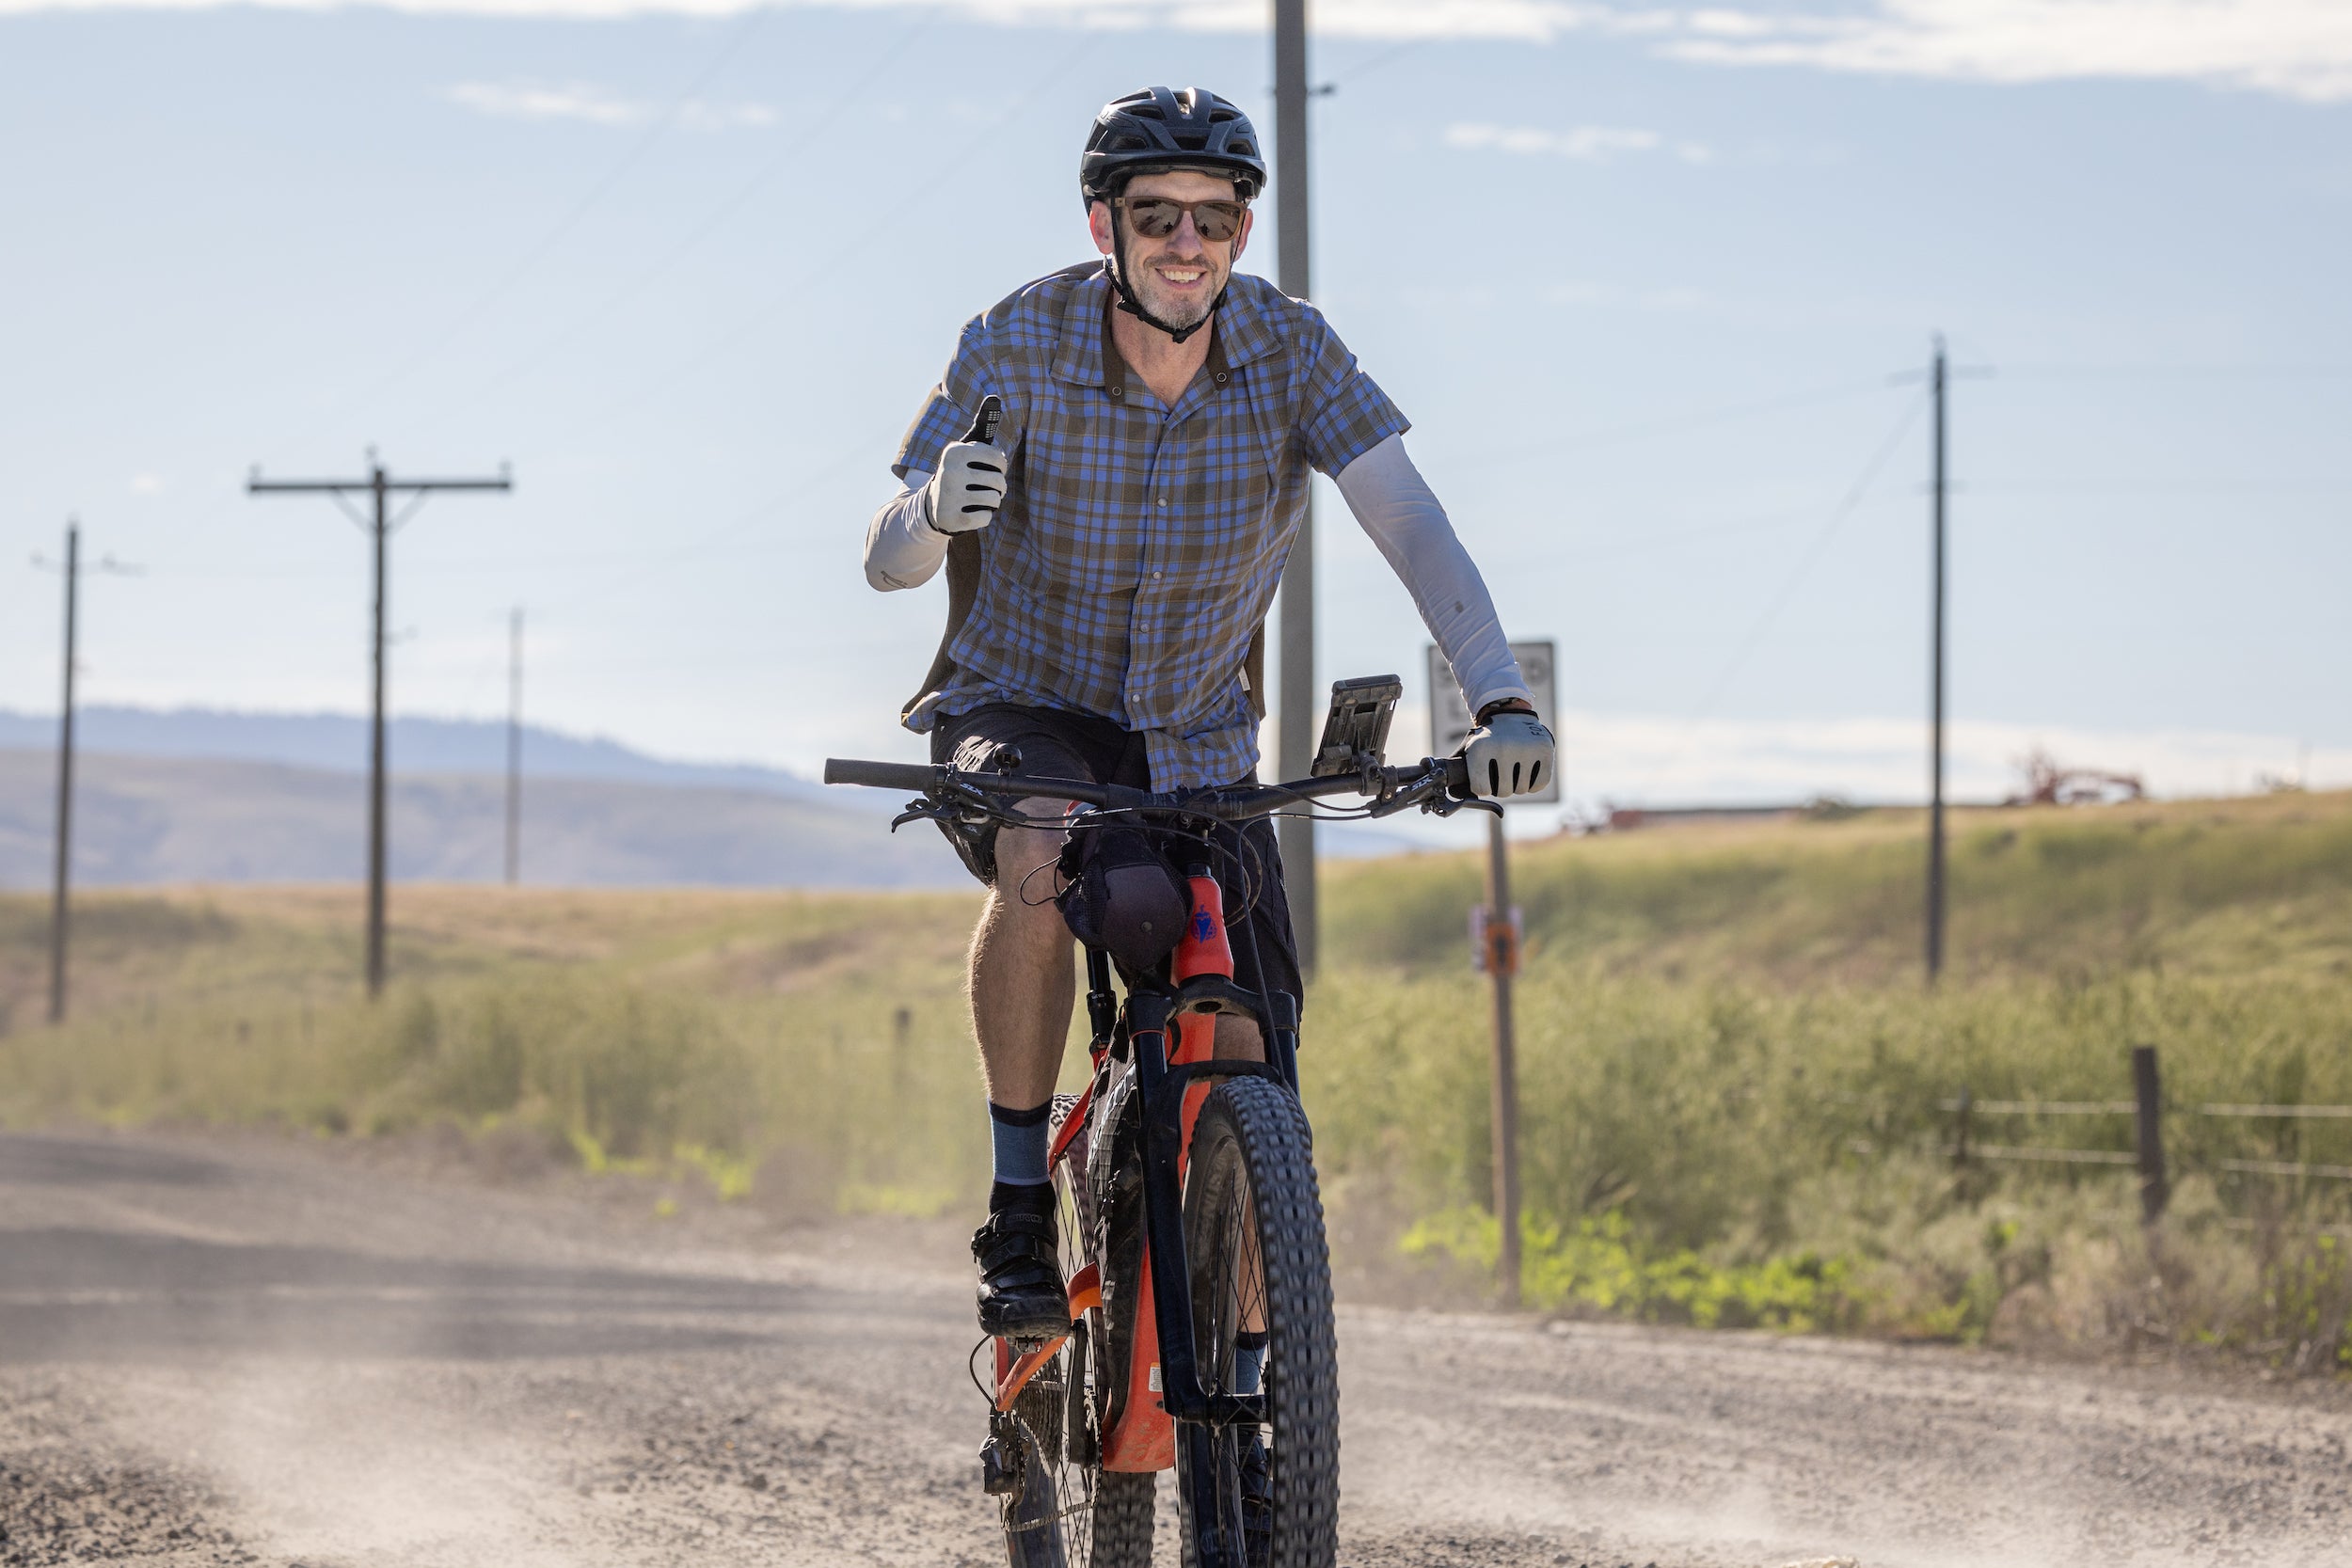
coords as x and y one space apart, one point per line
1178 276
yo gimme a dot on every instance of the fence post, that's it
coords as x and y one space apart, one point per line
2147 1091
901 1047
1959 1141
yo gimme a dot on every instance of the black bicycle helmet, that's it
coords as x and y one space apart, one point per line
1161 130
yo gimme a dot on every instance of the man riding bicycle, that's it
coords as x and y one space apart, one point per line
1112 554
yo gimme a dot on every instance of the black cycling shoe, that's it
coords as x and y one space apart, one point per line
1021 1287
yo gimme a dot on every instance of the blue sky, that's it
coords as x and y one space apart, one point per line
1641 278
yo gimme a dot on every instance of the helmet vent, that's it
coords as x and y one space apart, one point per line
1161 129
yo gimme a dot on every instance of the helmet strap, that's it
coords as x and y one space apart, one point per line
1134 306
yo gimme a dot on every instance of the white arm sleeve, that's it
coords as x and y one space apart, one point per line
1395 505
903 550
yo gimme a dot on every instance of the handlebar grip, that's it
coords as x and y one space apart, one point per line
984 423
1457 777
881 775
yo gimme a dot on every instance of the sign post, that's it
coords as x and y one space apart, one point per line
1495 935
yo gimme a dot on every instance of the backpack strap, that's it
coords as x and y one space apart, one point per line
963 587
1253 671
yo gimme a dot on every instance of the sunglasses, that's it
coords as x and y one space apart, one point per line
1156 218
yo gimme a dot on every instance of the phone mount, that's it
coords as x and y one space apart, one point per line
1356 731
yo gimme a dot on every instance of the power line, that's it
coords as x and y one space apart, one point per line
1672 425
2155 487
717 217
700 545
1810 558
561 230
381 486
1644 543
1806 561
790 296
2247 372
1378 62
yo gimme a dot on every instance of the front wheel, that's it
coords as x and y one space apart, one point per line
1253 1230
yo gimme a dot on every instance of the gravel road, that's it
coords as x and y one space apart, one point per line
217 1350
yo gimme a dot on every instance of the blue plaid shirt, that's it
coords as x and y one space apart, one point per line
1139 546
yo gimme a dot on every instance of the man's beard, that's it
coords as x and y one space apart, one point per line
1178 313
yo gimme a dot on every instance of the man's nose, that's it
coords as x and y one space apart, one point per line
1186 239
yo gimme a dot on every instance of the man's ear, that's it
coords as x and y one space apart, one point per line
1241 236
1099 221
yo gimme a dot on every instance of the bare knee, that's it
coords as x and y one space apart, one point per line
1021 905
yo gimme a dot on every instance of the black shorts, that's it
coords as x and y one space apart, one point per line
1056 744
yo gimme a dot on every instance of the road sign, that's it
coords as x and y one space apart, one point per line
1494 946
1450 719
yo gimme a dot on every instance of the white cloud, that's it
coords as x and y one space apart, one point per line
2298 48
147 484
545 101
1591 144
1633 759
583 100
694 115
1538 21
1658 760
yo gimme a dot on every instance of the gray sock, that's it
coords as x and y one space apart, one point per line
1249 1362
1021 1145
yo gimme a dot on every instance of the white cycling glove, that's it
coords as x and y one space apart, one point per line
1511 753
969 483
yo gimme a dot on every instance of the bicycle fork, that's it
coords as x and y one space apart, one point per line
1171 1085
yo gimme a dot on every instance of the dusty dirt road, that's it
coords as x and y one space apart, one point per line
227 1351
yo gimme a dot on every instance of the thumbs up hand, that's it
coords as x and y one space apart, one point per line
969 485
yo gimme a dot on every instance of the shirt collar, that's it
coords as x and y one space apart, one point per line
1082 355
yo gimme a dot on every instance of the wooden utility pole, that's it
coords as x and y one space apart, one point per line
58 904
1939 376
1295 740
515 748
1503 962
380 526
1497 930
1935 703
2148 1126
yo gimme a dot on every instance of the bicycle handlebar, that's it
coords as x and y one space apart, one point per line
882 775
1451 775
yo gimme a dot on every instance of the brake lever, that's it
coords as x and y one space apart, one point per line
921 809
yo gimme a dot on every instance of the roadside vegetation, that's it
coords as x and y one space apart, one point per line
1733 1082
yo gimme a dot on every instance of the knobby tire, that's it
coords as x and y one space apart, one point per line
1251 1181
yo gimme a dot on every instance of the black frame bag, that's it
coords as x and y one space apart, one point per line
1122 895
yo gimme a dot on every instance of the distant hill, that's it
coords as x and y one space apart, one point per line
339 742
163 818
207 794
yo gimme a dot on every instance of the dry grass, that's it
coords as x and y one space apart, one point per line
1730 1084
2261 884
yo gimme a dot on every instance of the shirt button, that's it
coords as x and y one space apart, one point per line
1156 576
1162 501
